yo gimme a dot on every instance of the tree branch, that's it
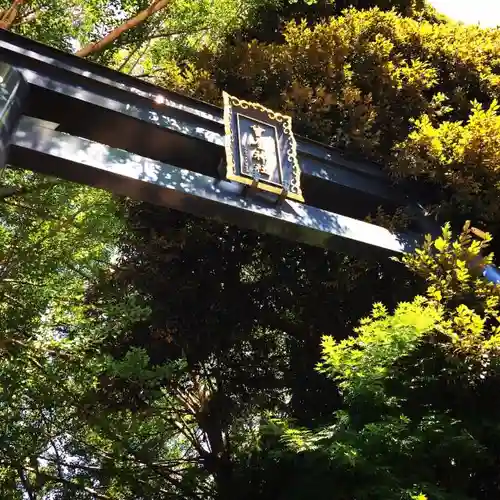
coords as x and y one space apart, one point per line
27 16
26 485
129 56
92 47
7 192
9 16
19 282
149 73
58 457
70 484
168 34
168 477
58 462
161 469
148 43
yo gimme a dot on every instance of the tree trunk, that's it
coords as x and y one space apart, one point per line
91 48
9 16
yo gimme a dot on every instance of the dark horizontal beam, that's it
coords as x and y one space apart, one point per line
80 160
134 115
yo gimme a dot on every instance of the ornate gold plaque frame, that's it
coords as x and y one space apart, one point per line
286 148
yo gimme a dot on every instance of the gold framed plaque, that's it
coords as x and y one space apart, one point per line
261 151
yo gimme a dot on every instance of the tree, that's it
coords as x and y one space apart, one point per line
270 25
417 384
55 240
129 34
141 17
251 346
343 82
175 357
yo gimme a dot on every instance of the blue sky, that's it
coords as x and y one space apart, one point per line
486 12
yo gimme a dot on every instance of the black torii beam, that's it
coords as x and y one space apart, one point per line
89 124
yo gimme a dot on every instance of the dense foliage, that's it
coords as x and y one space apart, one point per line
417 96
147 354
172 32
417 385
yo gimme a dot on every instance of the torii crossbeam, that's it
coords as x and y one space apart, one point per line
73 119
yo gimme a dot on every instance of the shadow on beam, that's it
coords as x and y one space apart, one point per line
76 159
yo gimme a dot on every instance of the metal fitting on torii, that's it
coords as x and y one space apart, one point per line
490 272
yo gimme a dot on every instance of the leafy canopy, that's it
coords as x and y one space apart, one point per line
416 420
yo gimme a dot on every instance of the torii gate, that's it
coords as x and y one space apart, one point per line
67 117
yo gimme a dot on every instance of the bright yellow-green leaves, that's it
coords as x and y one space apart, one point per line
459 313
462 156
361 363
419 497
453 272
